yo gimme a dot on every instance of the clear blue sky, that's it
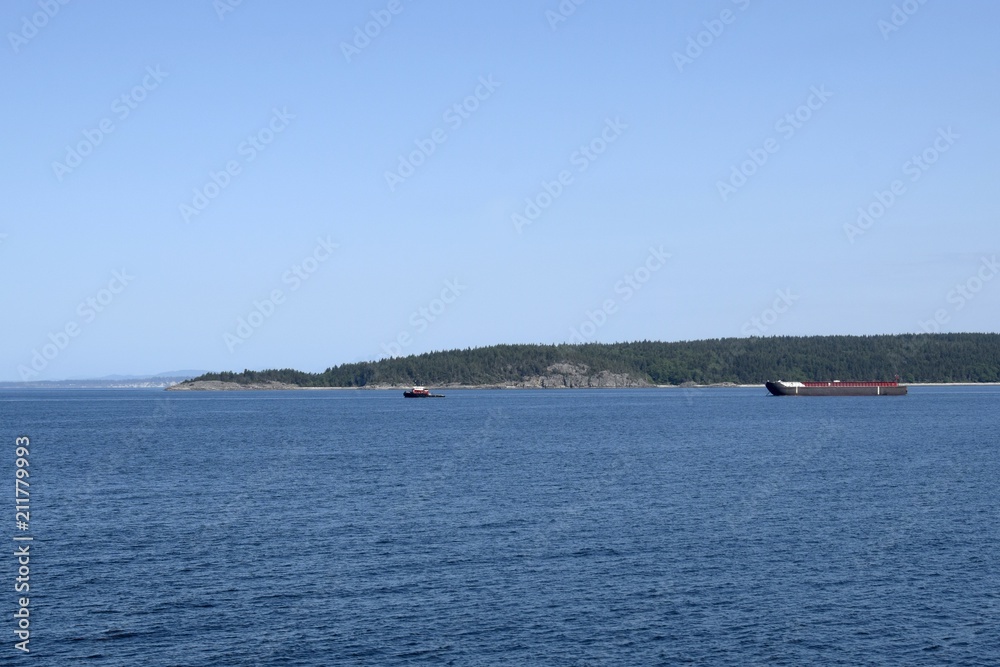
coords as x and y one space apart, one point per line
312 120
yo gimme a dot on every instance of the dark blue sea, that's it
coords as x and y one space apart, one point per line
584 527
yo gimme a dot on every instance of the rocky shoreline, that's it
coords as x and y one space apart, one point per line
532 383
216 385
557 376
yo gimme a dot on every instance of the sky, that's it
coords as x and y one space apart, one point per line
224 184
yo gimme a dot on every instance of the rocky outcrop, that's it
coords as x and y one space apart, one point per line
216 385
574 376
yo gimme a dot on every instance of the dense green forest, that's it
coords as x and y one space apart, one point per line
914 357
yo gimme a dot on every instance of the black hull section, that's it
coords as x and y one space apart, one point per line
782 390
410 394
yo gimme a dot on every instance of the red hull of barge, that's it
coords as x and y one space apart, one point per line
836 388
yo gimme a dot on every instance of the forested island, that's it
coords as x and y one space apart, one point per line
915 358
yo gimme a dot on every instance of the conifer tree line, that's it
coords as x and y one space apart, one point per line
960 357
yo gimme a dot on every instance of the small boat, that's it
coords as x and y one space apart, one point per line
421 392
836 388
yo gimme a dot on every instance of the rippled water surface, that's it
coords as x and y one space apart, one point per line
587 527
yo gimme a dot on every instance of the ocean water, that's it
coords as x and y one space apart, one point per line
586 527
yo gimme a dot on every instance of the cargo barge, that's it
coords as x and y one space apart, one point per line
836 388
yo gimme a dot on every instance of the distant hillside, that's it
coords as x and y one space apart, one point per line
914 357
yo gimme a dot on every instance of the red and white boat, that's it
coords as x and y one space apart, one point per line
421 392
